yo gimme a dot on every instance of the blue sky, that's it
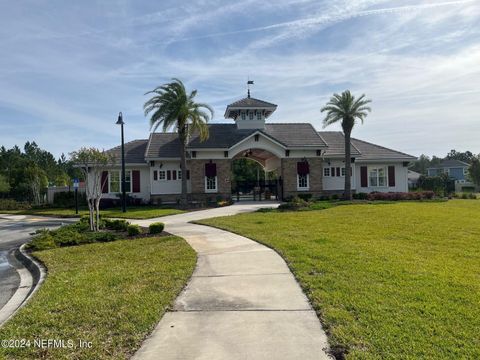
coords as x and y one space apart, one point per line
68 68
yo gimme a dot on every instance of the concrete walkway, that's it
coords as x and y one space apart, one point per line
242 301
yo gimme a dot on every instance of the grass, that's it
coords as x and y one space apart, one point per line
388 282
133 212
110 294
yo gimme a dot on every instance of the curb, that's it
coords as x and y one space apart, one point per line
32 274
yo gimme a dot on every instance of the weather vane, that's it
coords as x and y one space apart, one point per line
249 82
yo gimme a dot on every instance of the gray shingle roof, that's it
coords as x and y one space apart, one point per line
220 136
295 134
371 151
450 163
163 145
250 102
336 144
134 152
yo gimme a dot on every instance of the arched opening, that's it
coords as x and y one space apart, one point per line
256 176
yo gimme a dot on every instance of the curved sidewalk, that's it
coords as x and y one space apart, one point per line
242 301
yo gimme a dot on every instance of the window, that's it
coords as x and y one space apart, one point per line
259 115
256 137
302 182
377 177
243 115
465 171
343 172
115 181
210 184
179 174
161 175
250 115
326 172
287 153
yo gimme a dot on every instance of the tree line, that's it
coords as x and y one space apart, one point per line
26 173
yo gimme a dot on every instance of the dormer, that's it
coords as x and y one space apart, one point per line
250 113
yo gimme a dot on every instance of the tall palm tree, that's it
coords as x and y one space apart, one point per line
172 107
347 109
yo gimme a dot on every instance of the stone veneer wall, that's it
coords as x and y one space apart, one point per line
197 178
289 176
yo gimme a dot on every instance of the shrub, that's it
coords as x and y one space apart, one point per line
116 225
335 197
294 204
156 228
305 197
69 237
396 196
10 204
43 241
102 236
360 196
133 230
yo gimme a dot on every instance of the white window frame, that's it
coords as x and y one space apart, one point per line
385 171
243 115
179 174
303 188
259 115
162 177
326 172
342 172
211 189
128 175
250 115
465 171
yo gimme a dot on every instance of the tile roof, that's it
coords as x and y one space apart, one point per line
163 145
250 102
450 163
371 151
336 143
134 152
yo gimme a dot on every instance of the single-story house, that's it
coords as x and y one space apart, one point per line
305 160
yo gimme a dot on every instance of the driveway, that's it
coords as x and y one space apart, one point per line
242 301
14 231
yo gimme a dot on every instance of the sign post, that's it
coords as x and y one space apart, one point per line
76 183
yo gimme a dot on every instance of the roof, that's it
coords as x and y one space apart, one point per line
371 151
450 163
163 145
134 151
250 102
336 144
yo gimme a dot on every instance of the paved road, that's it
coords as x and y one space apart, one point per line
14 231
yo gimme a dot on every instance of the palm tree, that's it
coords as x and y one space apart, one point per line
172 107
347 109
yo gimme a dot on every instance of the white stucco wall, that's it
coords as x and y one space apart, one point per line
401 177
336 182
161 187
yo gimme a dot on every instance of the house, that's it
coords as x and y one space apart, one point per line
305 160
456 170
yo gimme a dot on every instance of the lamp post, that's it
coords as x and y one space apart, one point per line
124 196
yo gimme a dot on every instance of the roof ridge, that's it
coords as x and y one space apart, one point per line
383 147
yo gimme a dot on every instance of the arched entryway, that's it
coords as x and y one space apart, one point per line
256 175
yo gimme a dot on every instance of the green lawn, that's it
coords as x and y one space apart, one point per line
137 212
388 281
111 294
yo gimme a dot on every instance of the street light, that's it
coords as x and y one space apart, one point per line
124 196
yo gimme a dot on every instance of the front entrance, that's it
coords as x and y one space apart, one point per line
257 190
255 176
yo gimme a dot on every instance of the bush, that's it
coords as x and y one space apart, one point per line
67 199
102 236
156 228
69 237
133 230
360 196
10 204
335 197
396 196
116 225
305 197
43 241
294 204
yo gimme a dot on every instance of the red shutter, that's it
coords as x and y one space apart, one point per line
302 168
135 181
210 170
104 182
174 175
391 176
363 176
169 175
188 174
332 171
155 175
338 171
